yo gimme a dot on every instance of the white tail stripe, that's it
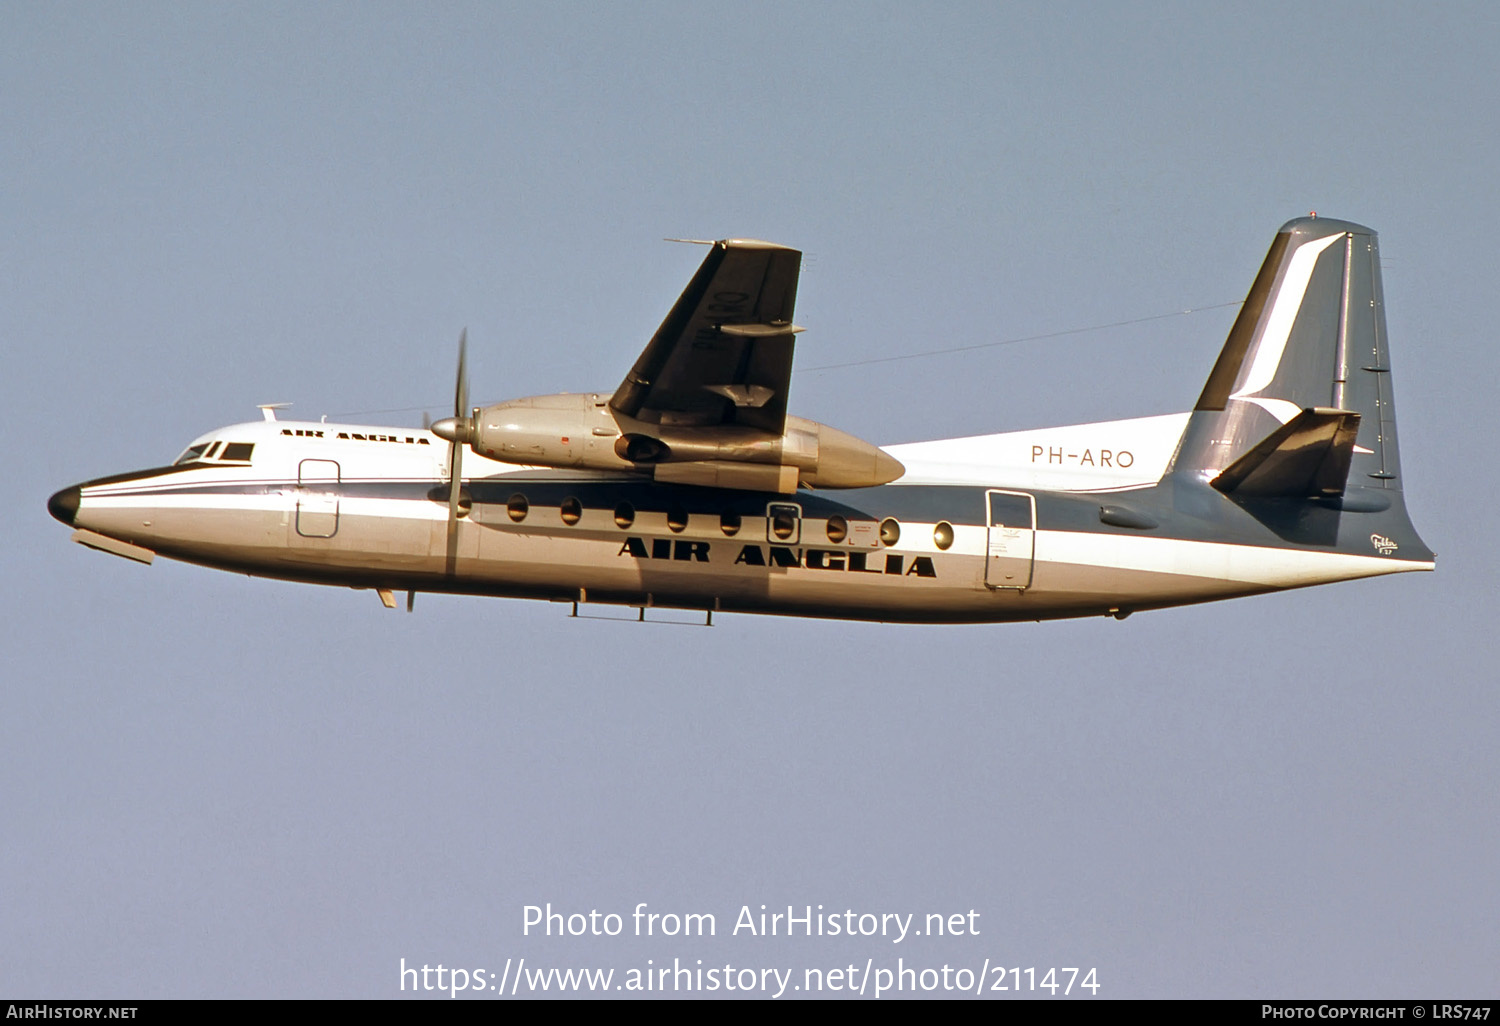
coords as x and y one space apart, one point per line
1279 408
1272 344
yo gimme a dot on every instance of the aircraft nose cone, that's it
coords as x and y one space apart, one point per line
64 505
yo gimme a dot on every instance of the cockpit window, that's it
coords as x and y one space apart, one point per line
238 452
194 452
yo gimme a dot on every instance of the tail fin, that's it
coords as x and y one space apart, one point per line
1299 403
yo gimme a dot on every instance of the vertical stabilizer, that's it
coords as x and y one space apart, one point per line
1310 337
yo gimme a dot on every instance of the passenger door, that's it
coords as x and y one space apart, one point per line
317 498
1011 539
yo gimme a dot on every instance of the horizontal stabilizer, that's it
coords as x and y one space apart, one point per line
1307 457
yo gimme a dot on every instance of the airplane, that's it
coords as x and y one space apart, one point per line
690 487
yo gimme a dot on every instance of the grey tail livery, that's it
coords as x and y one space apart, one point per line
1299 410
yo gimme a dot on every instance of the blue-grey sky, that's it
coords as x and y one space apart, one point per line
217 786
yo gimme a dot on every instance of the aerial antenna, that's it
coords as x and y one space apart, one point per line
268 410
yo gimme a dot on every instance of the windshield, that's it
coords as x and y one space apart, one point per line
192 453
217 451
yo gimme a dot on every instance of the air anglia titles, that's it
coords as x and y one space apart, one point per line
684 551
355 436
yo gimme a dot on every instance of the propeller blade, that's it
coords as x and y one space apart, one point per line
455 459
461 389
456 450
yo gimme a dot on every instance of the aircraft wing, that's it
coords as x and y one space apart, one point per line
724 353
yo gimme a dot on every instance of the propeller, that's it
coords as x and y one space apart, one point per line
456 430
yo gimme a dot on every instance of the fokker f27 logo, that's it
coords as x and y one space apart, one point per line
1382 544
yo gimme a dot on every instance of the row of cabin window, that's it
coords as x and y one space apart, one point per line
783 521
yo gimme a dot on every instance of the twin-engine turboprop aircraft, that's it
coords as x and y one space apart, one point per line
691 487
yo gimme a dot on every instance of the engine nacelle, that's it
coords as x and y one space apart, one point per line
549 431
583 431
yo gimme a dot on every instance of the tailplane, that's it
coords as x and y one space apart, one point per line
1307 457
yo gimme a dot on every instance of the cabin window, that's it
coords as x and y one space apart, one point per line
516 507
890 531
237 451
677 519
783 523
624 515
571 510
942 535
838 529
729 522
213 451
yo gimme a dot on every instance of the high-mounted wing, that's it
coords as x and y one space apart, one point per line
724 353
705 404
